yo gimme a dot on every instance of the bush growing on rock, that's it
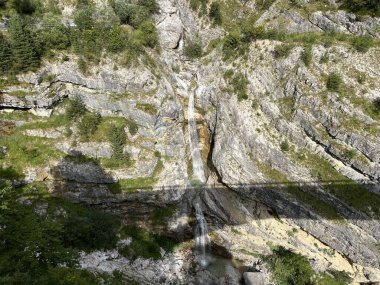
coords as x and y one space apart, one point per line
193 49
118 138
285 146
75 109
23 6
362 44
334 82
146 34
362 7
376 104
151 5
282 50
307 56
215 14
88 125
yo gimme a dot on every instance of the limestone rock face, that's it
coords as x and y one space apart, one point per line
270 159
169 25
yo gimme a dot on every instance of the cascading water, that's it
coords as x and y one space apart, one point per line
202 240
198 170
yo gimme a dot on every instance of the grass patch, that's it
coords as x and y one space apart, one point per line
321 207
147 108
131 185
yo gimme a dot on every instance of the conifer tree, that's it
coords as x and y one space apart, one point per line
5 55
24 53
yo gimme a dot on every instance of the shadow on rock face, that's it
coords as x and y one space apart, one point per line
328 210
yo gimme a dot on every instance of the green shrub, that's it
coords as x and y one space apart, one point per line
238 83
5 56
151 5
23 6
132 127
117 138
215 14
75 109
24 51
117 40
288 267
193 49
250 32
285 146
307 56
376 104
230 44
82 65
362 44
93 230
53 35
361 78
334 82
363 7
282 50
146 34
131 14
88 125
292 268
350 154
83 17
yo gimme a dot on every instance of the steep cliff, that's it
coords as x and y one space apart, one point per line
285 133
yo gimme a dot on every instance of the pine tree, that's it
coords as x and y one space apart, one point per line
24 53
5 56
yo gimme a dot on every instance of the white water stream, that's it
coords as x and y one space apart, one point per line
198 170
202 240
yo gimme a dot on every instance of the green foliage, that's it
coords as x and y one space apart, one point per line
5 56
193 49
146 34
282 50
93 230
376 104
24 52
145 244
350 154
35 246
363 7
238 83
117 40
363 43
135 15
215 14
84 17
285 146
10 173
117 138
334 82
132 127
75 109
230 44
88 125
307 56
250 32
289 268
151 5
23 6
53 35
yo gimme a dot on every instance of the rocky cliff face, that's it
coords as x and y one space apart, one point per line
294 164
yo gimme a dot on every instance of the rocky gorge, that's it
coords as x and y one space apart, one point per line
290 163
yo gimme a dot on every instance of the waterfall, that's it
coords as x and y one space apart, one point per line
198 170
202 239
